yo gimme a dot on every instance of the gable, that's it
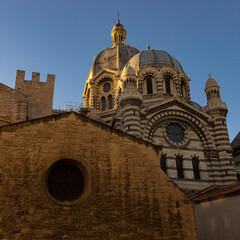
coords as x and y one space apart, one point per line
180 105
177 111
125 188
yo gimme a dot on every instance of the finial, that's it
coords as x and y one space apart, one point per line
148 47
210 75
118 21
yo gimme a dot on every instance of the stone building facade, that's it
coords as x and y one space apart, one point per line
30 99
147 94
111 174
68 177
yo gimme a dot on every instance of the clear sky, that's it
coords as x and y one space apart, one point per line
62 37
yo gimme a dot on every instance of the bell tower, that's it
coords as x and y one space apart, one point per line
218 110
130 100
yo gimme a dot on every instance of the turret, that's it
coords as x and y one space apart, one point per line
39 94
218 110
130 100
118 34
214 101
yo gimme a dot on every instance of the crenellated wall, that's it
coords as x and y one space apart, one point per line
39 94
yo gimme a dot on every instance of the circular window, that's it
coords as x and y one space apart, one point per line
65 181
106 87
175 132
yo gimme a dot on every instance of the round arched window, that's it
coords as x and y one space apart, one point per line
65 181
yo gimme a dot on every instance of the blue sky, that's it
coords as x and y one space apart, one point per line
63 37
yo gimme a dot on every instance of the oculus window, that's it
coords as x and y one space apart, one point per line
65 181
175 132
106 87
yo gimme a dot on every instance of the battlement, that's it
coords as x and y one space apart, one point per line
20 78
39 94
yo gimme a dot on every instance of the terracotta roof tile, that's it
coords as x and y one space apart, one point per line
215 192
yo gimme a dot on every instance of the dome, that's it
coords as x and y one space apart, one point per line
108 58
118 34
127 71
154 58
199 107
211 83
117 26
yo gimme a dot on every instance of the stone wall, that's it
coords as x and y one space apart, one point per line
40 94
126 195
13 105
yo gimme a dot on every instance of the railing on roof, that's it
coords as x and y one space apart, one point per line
72 106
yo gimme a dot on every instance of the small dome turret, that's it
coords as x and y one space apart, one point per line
129 77
212 90
214 101
211 83
118 34
128 71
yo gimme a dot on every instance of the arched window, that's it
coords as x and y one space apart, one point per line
149 85
183 89
195 163
179 164
103 100
238 177
163 163
168 84
110 103
94 101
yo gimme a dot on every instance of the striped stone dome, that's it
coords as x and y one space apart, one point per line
211 82
127 71
154 58
107 58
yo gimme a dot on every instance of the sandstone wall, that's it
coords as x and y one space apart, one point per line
40 94
13 105
126 195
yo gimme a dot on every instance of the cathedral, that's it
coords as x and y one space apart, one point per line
147 94
121 167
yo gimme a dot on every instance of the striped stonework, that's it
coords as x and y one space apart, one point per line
152 92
